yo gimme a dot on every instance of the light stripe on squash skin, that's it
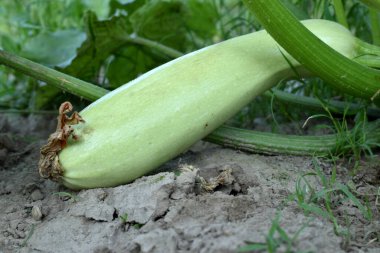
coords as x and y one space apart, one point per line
152 119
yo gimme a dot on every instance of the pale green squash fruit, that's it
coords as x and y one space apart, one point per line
148 121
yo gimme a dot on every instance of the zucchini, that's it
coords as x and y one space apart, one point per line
150 120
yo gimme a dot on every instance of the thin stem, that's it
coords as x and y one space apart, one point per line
375 26
62 81
339 71
314 103
340 13
152 44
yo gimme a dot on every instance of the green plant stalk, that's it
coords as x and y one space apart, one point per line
133 38
340 72
314 103
60 80
375 25
340 13
271 143
262 142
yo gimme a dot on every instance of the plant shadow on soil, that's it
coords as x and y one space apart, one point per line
164 212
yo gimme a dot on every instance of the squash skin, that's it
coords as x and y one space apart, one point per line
146 122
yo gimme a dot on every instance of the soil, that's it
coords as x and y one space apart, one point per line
168 211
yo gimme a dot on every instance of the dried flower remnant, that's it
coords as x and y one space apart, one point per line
48 165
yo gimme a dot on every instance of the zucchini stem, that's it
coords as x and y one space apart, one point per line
133 38
274 144
60 80
342 73
314 103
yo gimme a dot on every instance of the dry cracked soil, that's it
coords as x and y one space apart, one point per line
168 211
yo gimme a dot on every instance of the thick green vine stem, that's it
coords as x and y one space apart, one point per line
333 106
274 144
60 80
340 72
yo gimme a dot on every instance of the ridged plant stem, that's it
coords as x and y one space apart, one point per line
340 72
60 80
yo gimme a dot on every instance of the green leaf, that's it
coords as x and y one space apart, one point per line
201 17
129 63
312 208
8 44
45 95
53 48
103 38
161 21
365 211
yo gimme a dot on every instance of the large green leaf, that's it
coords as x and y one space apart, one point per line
53 48
201 17
129 63
103 38
161 21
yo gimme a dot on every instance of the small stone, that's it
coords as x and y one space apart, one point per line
36 213
36 195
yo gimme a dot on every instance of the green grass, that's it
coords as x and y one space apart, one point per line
352 141
275 238
124 217
319 195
